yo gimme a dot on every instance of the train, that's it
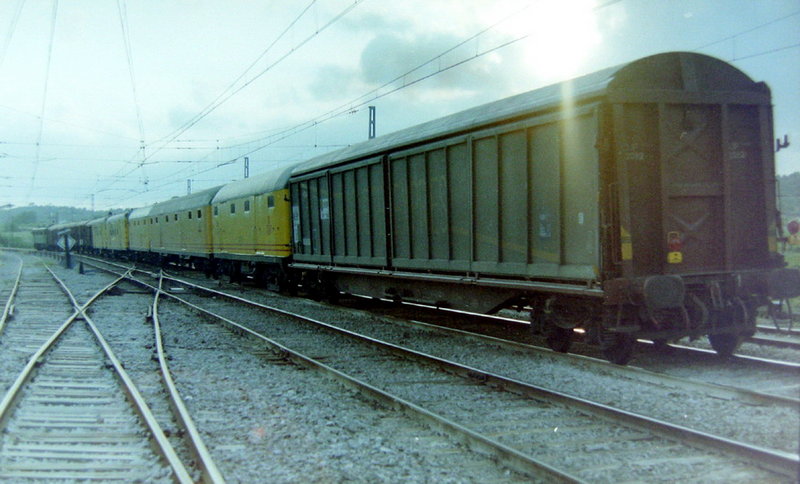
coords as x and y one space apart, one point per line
638 201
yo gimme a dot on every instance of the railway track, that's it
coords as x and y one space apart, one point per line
780 340
65 418
766 329
388 447
75 414
726 385
45 308
750 374
511 425
8 292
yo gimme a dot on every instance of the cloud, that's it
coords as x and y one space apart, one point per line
335 82
389 56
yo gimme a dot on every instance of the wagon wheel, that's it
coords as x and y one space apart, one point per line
556 327
741 321
618 347
725 344
558 339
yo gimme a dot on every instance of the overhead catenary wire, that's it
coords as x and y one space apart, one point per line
228 90
44 99
123 20
164 141
766 52
50 120
376 93
345 108
752 29
126 40
11 29
271 66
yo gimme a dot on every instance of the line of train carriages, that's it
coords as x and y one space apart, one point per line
634 202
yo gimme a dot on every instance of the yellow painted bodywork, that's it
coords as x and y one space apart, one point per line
117 234
139 234
262 231
99 230
183 232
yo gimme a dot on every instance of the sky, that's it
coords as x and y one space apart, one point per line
120 104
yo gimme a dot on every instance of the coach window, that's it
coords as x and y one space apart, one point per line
199 214
166 218
176 217
247 205
233 208
271 201
189 214
216 210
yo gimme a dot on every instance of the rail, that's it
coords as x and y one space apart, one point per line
14 394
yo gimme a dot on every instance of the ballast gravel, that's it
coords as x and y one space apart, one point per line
276 422
767 426
264 420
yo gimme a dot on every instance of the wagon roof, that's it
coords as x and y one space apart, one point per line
96 221
186 202
140 212
114 218
667 71
66 225
273 179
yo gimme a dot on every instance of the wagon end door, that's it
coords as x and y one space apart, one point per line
694 187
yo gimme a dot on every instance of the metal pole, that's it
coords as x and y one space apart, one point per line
67 258
371 122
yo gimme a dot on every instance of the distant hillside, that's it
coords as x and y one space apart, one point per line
38 216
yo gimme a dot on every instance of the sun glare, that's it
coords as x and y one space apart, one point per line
561 36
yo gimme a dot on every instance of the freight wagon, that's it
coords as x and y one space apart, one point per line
638 201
